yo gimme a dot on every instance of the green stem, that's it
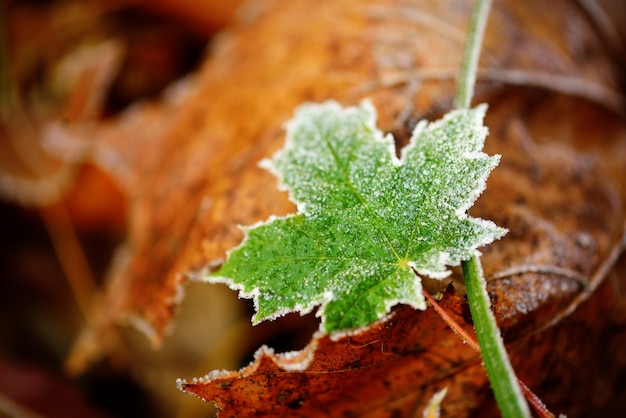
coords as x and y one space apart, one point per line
471 53
504 383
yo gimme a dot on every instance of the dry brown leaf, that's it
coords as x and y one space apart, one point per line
393 367
559 249
189 164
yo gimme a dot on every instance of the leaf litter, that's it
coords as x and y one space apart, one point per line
555 237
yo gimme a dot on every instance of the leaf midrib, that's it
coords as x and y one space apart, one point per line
347 181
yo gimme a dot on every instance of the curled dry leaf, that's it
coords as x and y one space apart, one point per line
190 166
393 366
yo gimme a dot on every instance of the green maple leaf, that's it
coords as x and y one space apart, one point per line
365 218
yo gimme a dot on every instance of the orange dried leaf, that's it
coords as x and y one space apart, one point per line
392 367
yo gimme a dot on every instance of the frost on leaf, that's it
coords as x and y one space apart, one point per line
365 218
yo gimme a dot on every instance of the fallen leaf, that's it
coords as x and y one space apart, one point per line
368 222
389 369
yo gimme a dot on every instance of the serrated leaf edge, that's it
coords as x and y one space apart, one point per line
371 121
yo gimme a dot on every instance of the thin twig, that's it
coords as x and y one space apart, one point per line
455 326
71 256
539 407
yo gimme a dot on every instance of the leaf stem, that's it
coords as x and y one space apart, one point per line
504 383
499 370
471 53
